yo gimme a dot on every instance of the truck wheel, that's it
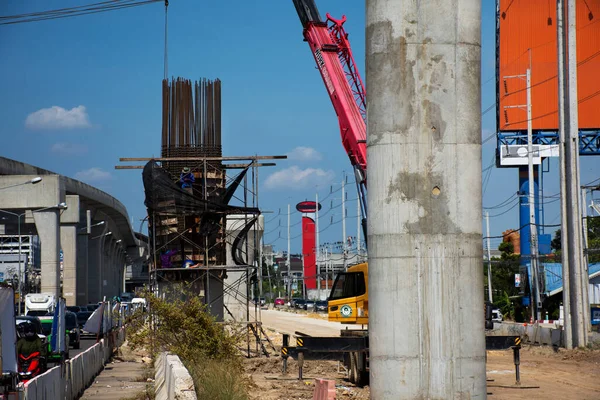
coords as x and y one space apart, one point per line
352 373
362 375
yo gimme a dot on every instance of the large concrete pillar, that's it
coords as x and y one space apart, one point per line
94 283
48 228
69 219
82 268
104 260
426 318
68 242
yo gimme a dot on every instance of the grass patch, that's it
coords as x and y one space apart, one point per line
218 380
179 323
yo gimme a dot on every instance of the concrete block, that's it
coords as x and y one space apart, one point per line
324 389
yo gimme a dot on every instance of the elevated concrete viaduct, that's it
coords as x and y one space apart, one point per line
94 232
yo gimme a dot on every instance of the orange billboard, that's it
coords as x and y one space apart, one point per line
527 38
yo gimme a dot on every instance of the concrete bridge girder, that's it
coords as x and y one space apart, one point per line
84 264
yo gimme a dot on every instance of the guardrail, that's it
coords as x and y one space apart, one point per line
71 379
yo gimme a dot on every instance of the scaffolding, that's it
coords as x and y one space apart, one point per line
191 192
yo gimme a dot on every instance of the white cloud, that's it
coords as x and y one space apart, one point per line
298 178
57 117
69 148
304 154
93 175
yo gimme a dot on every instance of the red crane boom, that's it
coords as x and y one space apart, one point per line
331 50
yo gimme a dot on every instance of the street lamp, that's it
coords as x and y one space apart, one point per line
33 181
106 234
61 206
92 226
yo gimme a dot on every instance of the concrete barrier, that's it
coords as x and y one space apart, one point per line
71 379
532 334
172 379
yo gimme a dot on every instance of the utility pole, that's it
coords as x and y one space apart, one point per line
584 260
531 200
289 265
564 232
489 258
424 228
578 309
344 221
536 303
317 247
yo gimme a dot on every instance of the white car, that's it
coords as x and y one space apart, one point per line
496 315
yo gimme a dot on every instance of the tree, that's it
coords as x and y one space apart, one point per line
593 227
503 279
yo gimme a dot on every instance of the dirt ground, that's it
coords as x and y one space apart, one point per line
545 374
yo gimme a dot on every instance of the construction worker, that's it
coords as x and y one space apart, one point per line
186 179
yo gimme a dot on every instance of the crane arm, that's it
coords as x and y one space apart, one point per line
331 50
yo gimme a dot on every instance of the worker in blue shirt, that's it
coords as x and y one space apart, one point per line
186 179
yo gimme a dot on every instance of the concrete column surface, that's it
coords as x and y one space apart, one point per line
95 263
82 269
48 228
426 306
68 243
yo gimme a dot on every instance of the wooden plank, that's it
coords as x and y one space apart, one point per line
238 158
225 166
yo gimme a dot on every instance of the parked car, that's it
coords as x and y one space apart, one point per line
279 302
74 309
263 301
73 329
82 317
309 304
299 304
92 307
321 305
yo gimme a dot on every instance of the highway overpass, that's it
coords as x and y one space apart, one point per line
93 232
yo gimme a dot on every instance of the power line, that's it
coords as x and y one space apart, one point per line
74 11
502 204
504 212
517 230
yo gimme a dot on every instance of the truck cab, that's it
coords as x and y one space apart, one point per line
39 304
349 298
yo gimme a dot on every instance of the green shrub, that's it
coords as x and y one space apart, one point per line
181 324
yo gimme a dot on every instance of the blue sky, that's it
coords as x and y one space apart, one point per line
104 71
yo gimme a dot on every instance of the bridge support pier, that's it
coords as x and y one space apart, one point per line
48 228
81 294
68 240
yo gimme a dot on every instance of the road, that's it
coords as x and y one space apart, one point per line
86 343
287 322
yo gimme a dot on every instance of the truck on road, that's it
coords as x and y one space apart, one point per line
39 304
